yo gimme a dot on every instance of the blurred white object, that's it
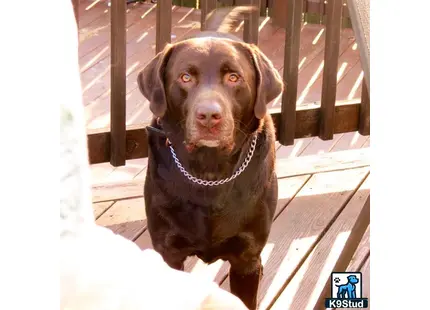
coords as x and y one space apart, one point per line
99 269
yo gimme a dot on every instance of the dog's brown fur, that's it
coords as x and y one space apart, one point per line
230 221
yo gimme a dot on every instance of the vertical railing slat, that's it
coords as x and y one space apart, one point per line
270 8
206 6
364 122
291 71
118 83
163 29
250 27
263 7
331 57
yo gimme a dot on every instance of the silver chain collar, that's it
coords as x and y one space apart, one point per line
218 182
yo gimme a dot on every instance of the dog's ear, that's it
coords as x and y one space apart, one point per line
151 81
269 82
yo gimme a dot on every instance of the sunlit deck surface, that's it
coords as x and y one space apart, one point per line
323 185
94 57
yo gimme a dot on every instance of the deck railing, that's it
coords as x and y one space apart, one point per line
329 117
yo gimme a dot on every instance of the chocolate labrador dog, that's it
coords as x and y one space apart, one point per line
211 188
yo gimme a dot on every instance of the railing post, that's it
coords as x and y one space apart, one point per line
331 57
163 27
263 7
250 27
206 6
118 83
360 20
291 71
364 122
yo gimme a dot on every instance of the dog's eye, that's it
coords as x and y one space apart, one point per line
233 77
185 77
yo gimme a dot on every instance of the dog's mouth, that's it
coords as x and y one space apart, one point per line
209 141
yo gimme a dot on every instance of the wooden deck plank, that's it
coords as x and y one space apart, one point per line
99 172
365 271
287 167
98 32
125 217
362 253
347 59
96 80
295 150
140 22
303 291
367 143
297 230
318 146
349 141
90 11
128 172
118 190
98 115
350 86
100 207
314 70
311 44
322 163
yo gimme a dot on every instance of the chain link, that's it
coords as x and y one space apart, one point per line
219 182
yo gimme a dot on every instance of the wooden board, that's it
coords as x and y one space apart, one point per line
318 146
118 190
284 168
99 172
349 141
90 12
140 51
294 150
361 254
299 227
125 217
100 207
350 86
131 169
322 163
347 59
347 115
365 271
307 284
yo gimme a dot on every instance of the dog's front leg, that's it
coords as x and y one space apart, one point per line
244 281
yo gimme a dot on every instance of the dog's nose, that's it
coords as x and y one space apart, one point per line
209 114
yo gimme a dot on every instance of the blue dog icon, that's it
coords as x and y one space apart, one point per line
348 288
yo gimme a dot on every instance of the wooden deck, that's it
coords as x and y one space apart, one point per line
320 198
94 53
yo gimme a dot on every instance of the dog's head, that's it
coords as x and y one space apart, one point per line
352 279
212 88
